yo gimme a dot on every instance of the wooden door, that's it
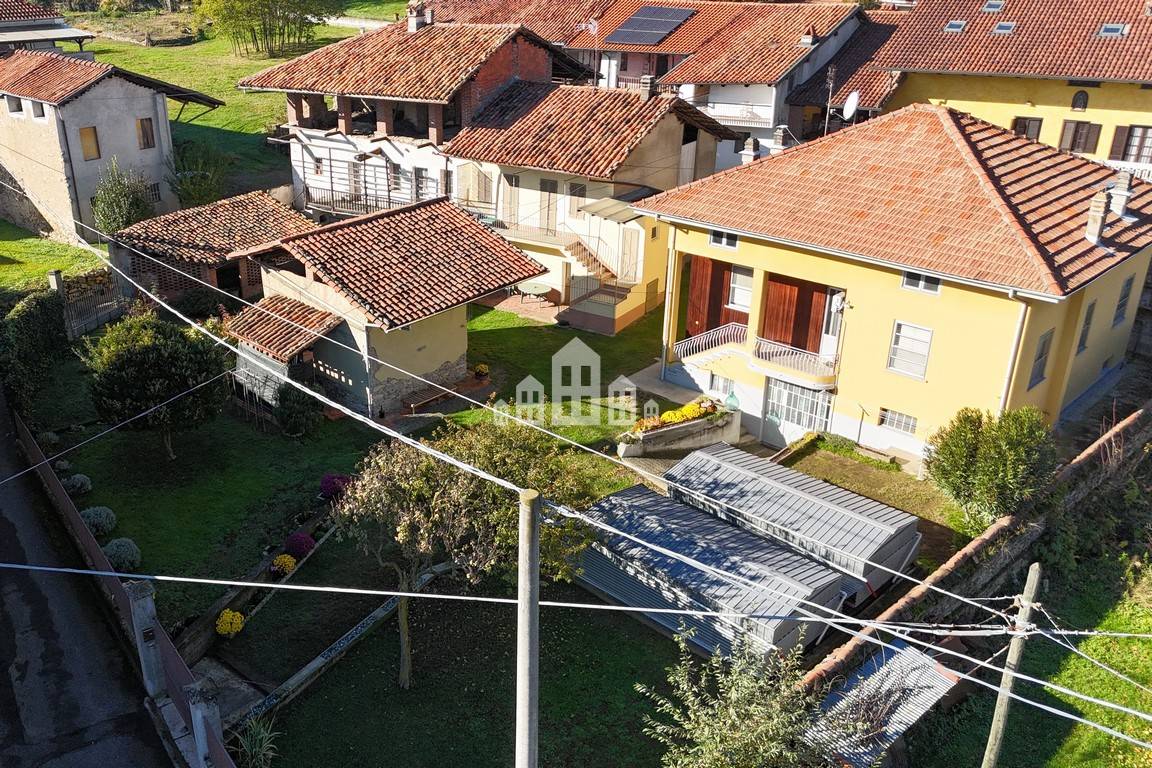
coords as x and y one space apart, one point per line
548 190
699 290
794 312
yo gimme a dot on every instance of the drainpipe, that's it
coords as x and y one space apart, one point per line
1014 353
69 173
368 369
669 276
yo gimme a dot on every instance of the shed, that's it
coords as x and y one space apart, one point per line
889 693
761 495
633 574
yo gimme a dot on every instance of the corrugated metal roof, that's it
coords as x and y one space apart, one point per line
810 513
788 576
896 687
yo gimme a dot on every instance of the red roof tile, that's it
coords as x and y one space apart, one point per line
275 331
576 129
55 78
209 234
1052 38
555 21
430 64
761 45
406 264
22 10
854 70
710 18
929 189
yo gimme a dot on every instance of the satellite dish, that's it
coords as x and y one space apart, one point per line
850 104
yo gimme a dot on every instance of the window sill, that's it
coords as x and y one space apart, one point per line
1033 384
737 308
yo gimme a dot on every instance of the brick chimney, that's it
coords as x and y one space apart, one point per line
648 86
809 38
1097 215
751 151
1120 193
418 16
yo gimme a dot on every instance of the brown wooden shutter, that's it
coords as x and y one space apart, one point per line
699 286
1020 126
1032 129
779 310
819 298
1067 135
1119 143
1092 140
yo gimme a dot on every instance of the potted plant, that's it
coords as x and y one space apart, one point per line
481 370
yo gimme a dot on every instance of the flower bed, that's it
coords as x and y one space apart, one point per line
697 424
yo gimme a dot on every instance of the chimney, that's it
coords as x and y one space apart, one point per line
417 16
1097 214
1120 193
809 38
751 151
430 16
648 86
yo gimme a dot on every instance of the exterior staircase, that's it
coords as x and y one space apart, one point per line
583 254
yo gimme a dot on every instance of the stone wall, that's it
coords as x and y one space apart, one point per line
96 282
388 394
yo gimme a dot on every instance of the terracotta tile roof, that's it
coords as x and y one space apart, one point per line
271 332
929 189
55 78
210 234
578 129
22 10
761 45
710 18
430 64
854 70
409 263
552 20
1052 39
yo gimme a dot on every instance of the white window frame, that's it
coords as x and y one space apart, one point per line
721 239
955 26
1113 29
38 111
15 106
993 6
720 385
810 409
1039 373
898 421
733 289
918 281
1004 28
1121 313
897 333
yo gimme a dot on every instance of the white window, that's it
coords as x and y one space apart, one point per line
577 195
1004 28
38 109
719 385
740 288
1113 30
1040 362
901 422
420 183
909 351
956 25
1122 303
722 239
15 106
919 282
993 6
1086 328
154 192
317 166
807 408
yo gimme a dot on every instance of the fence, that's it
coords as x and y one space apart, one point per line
91 299
176 672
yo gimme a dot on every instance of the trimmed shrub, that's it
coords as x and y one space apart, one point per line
31 337
77 484
332 485
123 555
62 466
100 520
299 544
298 412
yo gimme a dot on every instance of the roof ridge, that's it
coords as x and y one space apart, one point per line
992 190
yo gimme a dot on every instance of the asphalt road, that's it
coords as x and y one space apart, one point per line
69 698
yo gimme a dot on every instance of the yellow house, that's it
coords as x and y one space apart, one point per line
346 302
1077 79
873 282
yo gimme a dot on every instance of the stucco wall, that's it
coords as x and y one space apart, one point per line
656 161
32 157
435 348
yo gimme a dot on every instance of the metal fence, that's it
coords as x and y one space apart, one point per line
92 300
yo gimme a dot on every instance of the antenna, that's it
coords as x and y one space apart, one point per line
851 104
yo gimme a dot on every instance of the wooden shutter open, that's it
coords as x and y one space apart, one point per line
1092 139
699 287
1067 135
1119 143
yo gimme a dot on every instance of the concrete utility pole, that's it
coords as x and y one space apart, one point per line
1011 665
528 633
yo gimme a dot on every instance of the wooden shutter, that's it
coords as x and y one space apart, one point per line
818 298
1092 139
699 288
1020 126
1067 135
779 309
1119 143
794 312
1032 128
89 144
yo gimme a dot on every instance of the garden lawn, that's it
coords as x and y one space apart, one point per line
460 709
211 66
385 10
1035 738
941 520
26 259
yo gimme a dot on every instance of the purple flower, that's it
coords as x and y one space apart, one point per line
299 544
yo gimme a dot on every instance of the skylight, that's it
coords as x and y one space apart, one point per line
993 6
1004 28
1113 30
955 26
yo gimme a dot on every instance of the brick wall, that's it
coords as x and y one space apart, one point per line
517 60
169 282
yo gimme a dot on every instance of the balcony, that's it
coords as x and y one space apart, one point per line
769 358
737 113
1138 170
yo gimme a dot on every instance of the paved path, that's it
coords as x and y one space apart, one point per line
69 698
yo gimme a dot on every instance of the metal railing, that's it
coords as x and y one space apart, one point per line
810 363
1139 170
743 113
349 186
732 333
634 82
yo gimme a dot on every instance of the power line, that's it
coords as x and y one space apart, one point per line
1065 643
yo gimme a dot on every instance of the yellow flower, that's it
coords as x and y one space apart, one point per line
229 623
284 564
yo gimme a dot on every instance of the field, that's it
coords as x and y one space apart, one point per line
26 259
375 9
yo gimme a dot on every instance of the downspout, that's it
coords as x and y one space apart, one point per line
666 345
70 171
368 369
1014 353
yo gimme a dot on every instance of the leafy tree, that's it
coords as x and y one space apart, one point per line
991 465
121 199
747 711
31 337
143 361
268 27
196 173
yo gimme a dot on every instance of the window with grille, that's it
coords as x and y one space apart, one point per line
791 403
1028 127
919 282
901 422
909 351
1122 302
1086 328
720 385
1137 144
317 166
145 135
1040 361
740 288
154 192
722 239
393 176
420 183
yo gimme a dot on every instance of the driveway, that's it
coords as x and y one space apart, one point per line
69 697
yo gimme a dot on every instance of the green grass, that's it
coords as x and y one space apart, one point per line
459 710
376 9
1036 738
212 67
26 259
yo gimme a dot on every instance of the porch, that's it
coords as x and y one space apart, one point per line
356 183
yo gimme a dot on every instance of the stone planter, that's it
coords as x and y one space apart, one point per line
723 427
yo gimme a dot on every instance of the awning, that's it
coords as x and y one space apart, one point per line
42 35
611 209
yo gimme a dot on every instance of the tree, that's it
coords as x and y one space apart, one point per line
143 361
31 338
268 26
196 173
991 465
747 711
121 199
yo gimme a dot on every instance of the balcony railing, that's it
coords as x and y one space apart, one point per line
801 360
813 367
732 333
1139 170
740 113
632 81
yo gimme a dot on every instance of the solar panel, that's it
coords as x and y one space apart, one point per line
649 25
